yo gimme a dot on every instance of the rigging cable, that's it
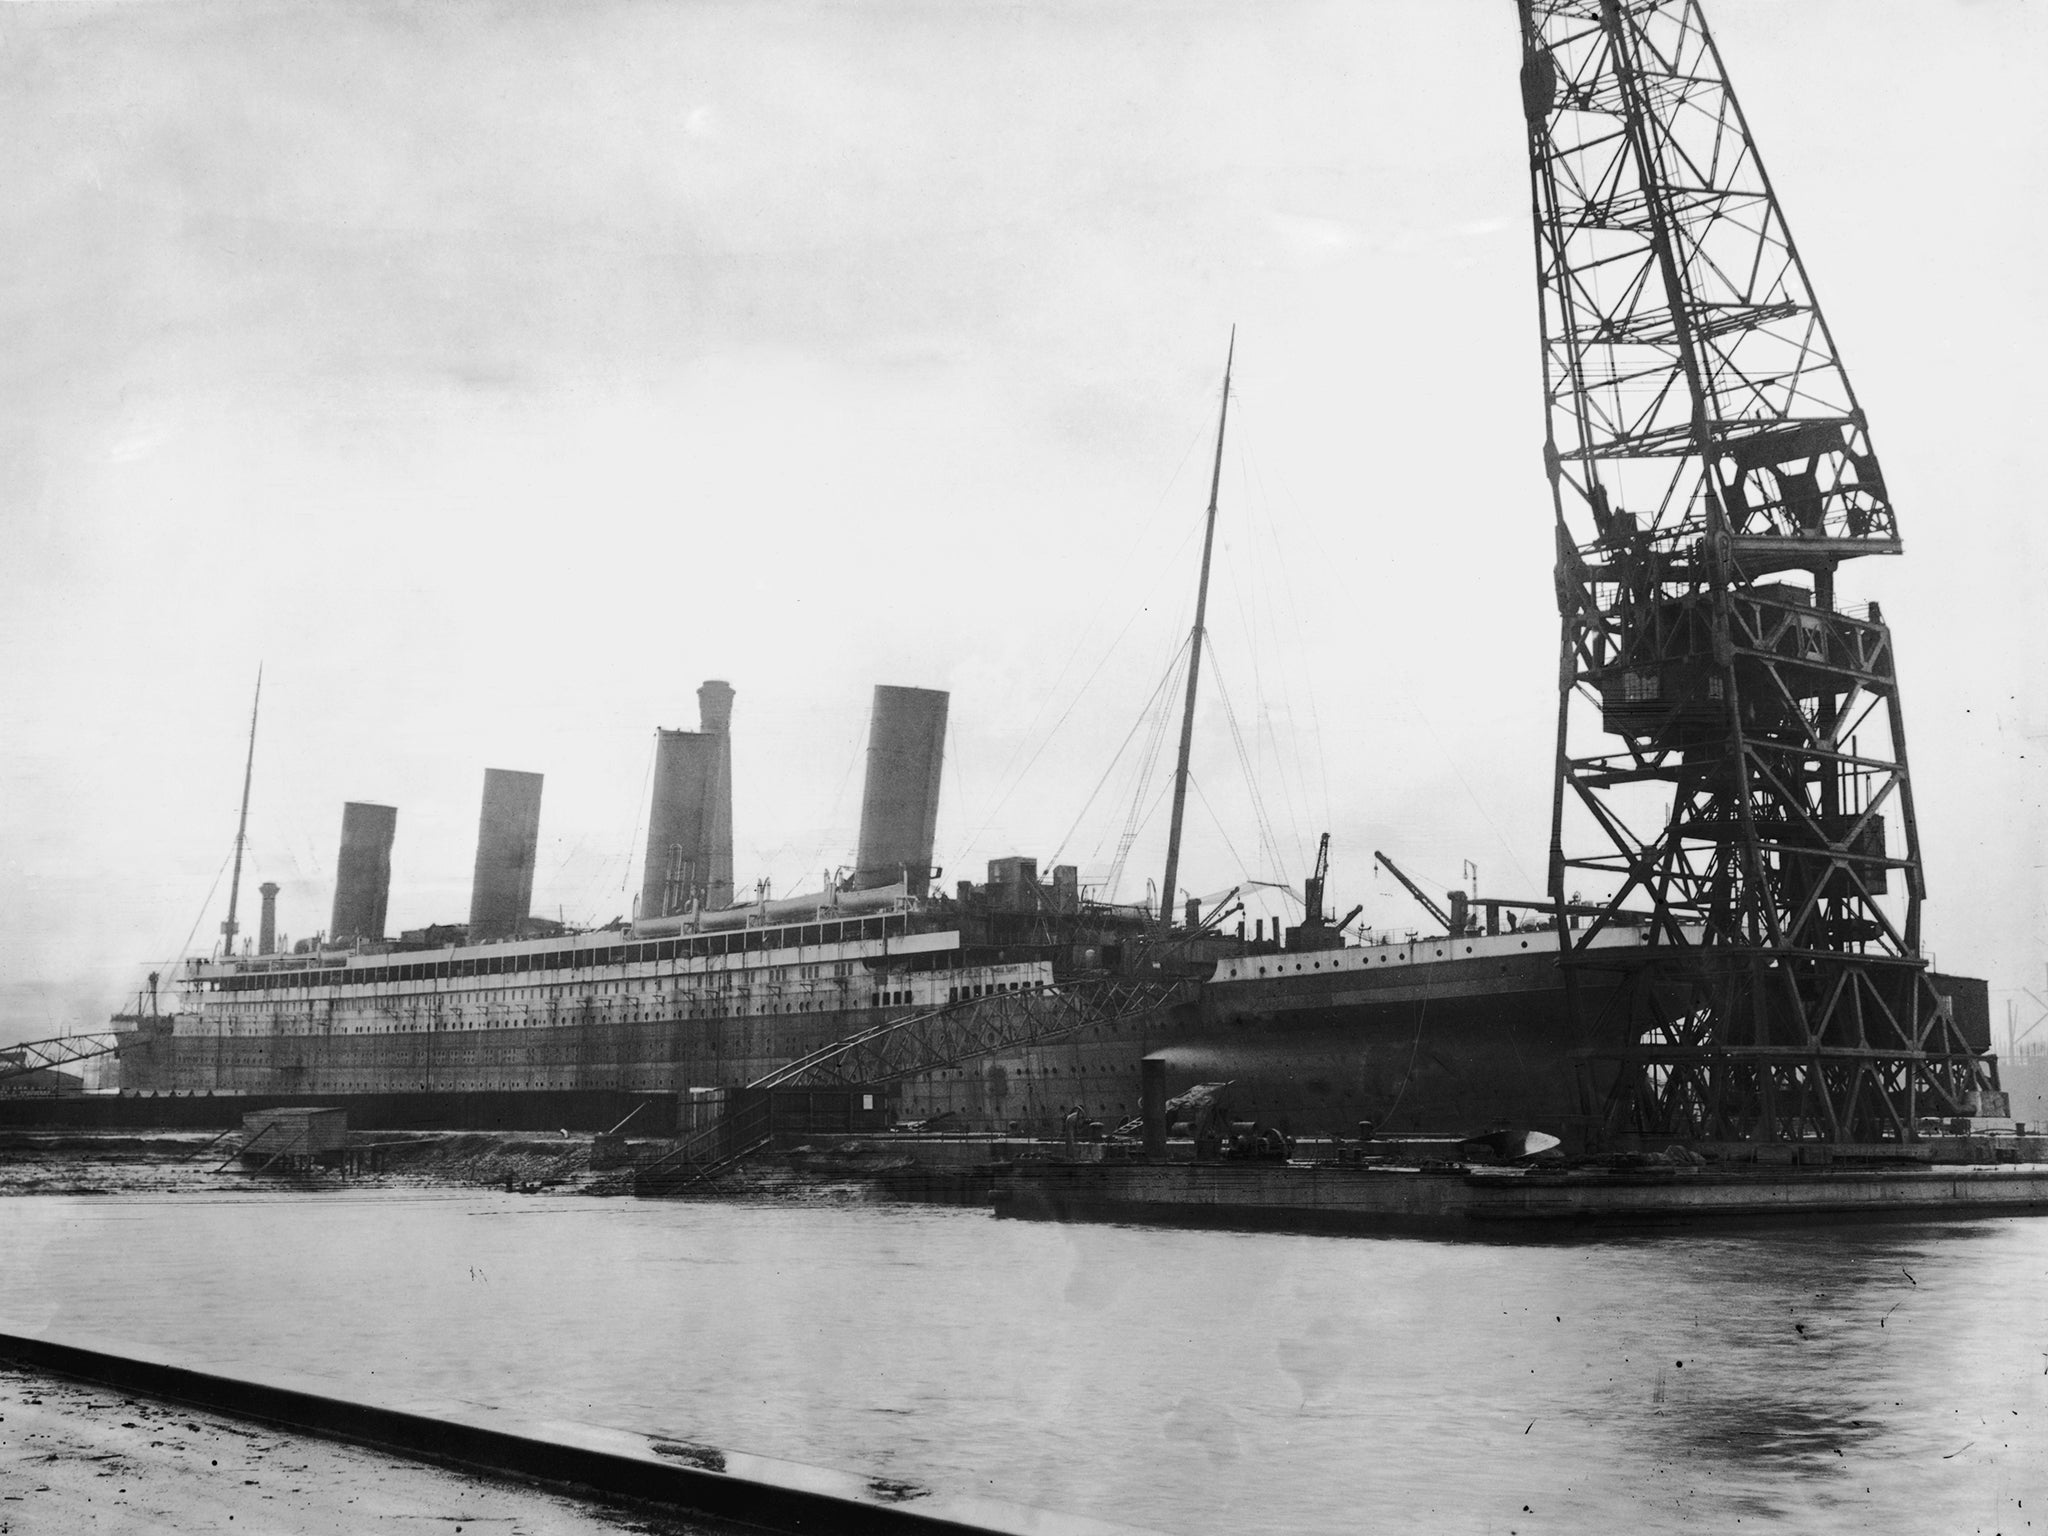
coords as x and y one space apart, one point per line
1144 714
1293 608
1148 764
833 826
1262 822
1262 605
1464 783
1138 540
633 837
187 949
1223 832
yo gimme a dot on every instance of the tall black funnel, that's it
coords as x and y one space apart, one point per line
507 845
899 809
689 820
714 719
362 874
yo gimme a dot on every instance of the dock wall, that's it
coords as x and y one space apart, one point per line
700 1479
593 1109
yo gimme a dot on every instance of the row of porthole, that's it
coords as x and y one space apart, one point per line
1383 959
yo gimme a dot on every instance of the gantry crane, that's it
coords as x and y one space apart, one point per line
1731 754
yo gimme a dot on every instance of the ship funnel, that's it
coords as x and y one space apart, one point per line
714 719
507 844
689 822
899 809
362 875
266 932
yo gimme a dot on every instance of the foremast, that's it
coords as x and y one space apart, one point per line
1187 719
228 929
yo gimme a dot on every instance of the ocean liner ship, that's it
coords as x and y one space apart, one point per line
1315 1033
695 992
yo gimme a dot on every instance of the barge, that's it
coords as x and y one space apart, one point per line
1459 1201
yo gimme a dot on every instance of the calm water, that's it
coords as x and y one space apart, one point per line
1885 1379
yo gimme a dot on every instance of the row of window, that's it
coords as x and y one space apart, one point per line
739 941
953 994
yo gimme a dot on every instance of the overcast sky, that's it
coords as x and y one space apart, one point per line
493 374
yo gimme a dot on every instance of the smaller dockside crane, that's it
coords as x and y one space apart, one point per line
1456 922
1316 931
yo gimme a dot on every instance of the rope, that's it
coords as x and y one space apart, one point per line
1223 833
1261 822
1144 714
1293 609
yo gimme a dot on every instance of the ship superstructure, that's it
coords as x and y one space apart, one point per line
590 1010
693 994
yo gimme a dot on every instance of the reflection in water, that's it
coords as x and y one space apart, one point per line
1790 1355
1819 1380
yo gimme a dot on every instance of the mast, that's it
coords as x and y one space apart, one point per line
228 928
1187 719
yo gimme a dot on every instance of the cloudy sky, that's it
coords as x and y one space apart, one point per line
492 374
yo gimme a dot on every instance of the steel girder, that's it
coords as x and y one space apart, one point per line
1731 760
944 1037
28 1056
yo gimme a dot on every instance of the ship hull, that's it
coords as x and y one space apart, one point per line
1433 1036
1417 1038
638 1056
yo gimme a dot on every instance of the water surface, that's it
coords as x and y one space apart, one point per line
1829 1379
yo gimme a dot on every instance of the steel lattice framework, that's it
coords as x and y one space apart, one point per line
945 1037
889 1052
29 1056
1730 743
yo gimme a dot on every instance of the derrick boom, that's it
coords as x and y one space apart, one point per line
1731 755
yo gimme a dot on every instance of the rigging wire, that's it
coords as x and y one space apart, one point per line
186 949
1293 605
1145 714
1138 540
1464 783
1046 741
1222 831
1288 762
633 837
1159 799
1261 821
834 827
1258 624
1148 764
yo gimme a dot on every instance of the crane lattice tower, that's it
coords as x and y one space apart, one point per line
1731 763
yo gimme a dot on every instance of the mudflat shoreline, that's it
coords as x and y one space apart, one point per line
74 1457
174 1162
